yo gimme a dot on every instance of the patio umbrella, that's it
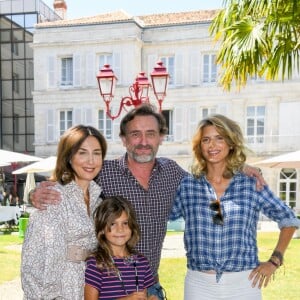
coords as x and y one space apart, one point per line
29 185
3 164
288 160
13 157
44 165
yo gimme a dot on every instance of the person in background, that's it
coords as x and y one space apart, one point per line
59 239
147 181
116 270
2 195
13 197
2 184
5 198
221 207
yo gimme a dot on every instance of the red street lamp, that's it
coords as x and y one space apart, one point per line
138 91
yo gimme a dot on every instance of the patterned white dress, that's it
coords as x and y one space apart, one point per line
46 272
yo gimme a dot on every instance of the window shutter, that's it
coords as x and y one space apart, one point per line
76 67
117 66
77 116
90 70
178 124
51 72
116 130
115 124
152 60
193 121
222 108
88 117
50 125
179 80
195 68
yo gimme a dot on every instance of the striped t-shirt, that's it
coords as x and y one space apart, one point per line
112 286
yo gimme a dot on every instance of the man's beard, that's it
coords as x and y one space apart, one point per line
142 158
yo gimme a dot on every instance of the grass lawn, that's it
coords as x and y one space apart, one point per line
172 270
9 257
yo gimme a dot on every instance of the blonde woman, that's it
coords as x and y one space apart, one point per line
221 208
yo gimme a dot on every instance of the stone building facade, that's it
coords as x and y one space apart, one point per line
69 53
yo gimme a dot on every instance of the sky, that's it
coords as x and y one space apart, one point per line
84 8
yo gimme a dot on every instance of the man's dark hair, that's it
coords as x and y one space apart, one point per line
144 110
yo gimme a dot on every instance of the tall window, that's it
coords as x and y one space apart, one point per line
65 120
105 124
208 111
168 114
105 59
67 71
255 124
209 68
288 186
169 63
112 59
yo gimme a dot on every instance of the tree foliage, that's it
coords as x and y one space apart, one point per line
258 38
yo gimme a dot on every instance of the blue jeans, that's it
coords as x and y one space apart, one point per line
158 291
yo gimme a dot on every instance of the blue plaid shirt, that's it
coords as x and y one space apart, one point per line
230 247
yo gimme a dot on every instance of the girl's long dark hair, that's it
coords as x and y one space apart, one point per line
105 214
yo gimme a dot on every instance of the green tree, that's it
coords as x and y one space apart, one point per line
258 38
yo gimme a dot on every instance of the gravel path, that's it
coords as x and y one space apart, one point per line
11 290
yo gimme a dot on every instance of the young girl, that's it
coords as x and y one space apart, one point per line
115 270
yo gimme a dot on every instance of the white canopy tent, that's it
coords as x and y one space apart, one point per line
288 160
29 185
12 157
4 164
44 165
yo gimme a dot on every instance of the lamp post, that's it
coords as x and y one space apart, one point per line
138 91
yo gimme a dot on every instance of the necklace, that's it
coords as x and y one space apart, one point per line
128 260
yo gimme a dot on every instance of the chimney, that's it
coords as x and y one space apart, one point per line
60 7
